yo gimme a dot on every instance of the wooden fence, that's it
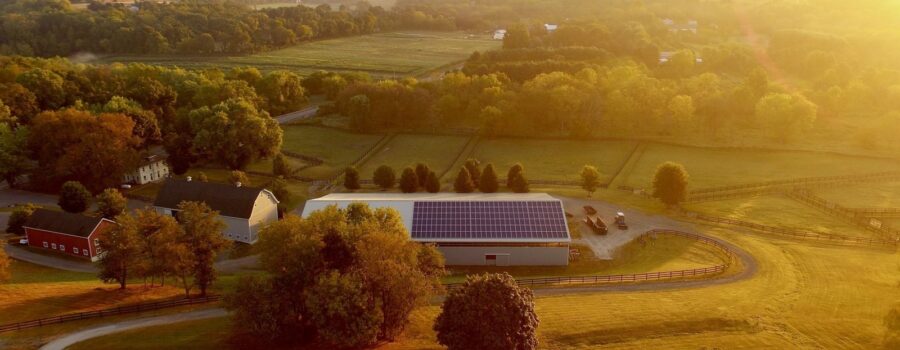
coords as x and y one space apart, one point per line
803 181
635 277
106 312
797 233
855 217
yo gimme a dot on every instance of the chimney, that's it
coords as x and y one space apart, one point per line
238 184
189 179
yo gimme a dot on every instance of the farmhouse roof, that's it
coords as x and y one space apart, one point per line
62 222
228 200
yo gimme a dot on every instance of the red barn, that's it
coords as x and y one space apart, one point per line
66 233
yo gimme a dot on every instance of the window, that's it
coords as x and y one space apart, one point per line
62 247
75 249
45 244
96 242
53 245
84 252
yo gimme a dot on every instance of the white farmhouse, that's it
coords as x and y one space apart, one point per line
499 34
151 169
245 210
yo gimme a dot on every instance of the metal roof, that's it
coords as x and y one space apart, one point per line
62 222
228 200
467 217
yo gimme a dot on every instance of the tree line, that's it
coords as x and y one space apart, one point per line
471 177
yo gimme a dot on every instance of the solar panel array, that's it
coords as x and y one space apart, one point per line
488 220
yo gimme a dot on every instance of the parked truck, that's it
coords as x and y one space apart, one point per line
620 221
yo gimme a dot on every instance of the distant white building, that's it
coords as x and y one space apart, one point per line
550 27
499 34
689 26
151 169
664 57
502 229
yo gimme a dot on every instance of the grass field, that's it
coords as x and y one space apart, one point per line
336 147
408 149
775 210
719 167
383 54
553 159
870 195
801 297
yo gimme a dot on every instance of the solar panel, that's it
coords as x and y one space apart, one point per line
478 220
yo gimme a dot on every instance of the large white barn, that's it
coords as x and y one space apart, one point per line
475 229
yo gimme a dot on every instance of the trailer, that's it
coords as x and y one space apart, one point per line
620 221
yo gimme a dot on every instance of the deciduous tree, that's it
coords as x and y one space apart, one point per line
281 167
239 177
342 311
203 234
111 203
19 217
15 158
121 250
474 168
513 172
235 132
489 311
590 179
670 183
74 197
422 171
384 177
351 178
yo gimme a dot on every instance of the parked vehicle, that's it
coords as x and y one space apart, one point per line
590 210
598 226
620 221
23 241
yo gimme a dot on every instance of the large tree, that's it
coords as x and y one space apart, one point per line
121 250
18 218
235 133
489 311
785 115
74 197
670 183
281 167
203 235
590 179
111 203
95 150
342 312
15 159
409 182
282 92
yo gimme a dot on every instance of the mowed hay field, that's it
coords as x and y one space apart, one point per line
336 147
383 54
711 167
867 195
801 297
437 151
553 159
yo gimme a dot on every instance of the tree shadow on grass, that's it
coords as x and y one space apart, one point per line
659 330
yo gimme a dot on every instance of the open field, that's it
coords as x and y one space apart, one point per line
407 149
870 195
710 167
801 297
780 211
383 54
553 159
336 147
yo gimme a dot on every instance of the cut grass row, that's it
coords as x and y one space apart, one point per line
384 54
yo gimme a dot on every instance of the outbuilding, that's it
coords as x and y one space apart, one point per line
503 229
66 233
245 210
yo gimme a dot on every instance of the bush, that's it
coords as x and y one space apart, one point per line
18 218
385 177
351 179
409 182
74 197
463 183
432 183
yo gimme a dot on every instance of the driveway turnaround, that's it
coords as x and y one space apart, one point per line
73 338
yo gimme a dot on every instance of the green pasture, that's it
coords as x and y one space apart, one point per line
867 195
383 54
404 150
336 147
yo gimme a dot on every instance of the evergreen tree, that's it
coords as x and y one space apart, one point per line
514 171
73 197
351 178
474 168
432 183
488 182
409 182
422 171
463 182
385 177
519 183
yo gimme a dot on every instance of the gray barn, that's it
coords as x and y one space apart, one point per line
503 229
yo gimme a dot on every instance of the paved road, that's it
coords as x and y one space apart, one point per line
298 115
99 331
20 253
13 197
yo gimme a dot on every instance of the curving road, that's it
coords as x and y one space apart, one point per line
99 331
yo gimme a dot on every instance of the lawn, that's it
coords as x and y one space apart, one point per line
383 54
200 334
553 159
407 149
709 167
336 147
265 165
776 210
793 301
868 195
